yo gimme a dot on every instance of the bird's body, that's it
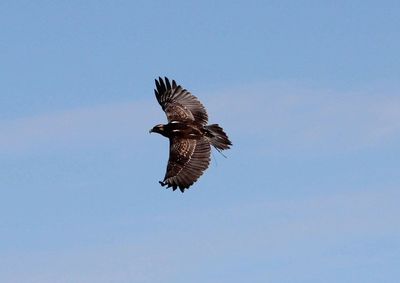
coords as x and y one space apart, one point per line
189 135
177 129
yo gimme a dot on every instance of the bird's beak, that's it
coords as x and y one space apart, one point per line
151 130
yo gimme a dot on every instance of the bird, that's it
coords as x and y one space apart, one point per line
190 136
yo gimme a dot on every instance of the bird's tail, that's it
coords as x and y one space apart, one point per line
218 137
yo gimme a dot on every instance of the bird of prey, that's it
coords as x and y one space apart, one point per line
190 138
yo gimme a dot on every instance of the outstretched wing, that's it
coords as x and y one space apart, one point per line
179 104
188 158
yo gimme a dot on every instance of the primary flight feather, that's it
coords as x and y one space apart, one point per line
190 138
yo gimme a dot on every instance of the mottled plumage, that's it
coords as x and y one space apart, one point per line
190 137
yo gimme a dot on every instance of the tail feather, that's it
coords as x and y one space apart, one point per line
218 137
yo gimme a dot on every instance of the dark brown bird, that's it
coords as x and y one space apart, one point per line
190 138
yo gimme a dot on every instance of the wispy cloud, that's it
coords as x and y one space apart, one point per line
96 125
299 237
279 117
304 118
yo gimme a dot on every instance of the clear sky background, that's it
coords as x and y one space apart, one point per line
309 92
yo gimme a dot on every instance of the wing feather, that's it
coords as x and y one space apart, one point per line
178 103
188 159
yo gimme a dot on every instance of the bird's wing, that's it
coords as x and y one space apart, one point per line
188 158
178 103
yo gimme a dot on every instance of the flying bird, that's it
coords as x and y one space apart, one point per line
190 138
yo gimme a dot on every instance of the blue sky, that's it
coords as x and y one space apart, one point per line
309 92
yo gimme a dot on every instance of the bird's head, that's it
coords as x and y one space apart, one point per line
157 129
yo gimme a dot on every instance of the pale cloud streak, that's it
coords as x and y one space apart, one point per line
93 126
311 233
308 119
276 117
